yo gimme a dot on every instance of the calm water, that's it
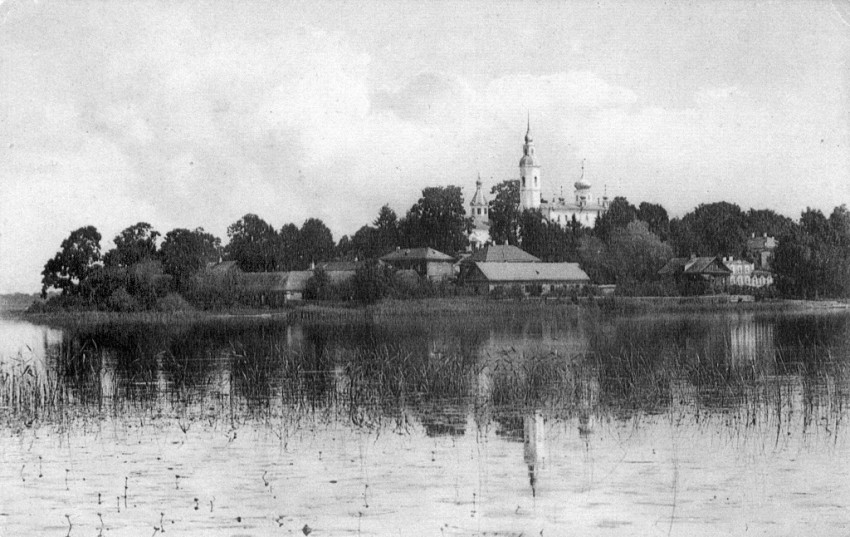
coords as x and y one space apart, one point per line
566 422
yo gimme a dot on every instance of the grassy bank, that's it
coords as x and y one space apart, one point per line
436 307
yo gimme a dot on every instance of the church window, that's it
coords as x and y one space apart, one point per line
523 180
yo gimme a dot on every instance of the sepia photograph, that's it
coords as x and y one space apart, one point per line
447 268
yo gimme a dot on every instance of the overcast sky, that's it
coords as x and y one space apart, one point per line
187 114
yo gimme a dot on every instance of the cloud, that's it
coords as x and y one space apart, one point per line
178 117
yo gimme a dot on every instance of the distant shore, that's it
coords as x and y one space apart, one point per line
428 307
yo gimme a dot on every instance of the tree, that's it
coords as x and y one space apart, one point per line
289 254
253 244
814 261
318 286
77 257
504 213
133 245
184 252
766 221
438 220
710 229
635 254
593 258
547 240
656 219
315 242
386 236
619 214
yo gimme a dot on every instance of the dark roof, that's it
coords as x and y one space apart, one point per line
417 254
535 271
695 265
501 254
677 264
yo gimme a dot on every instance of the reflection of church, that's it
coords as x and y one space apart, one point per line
534 447
582 208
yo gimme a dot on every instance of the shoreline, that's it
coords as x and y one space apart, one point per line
452 306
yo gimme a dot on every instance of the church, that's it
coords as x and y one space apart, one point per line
582 208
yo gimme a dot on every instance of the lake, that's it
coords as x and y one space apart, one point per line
561 421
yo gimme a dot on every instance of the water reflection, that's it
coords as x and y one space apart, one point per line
442 373
398 420
534 447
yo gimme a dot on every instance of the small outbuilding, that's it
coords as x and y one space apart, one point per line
427 262
703 270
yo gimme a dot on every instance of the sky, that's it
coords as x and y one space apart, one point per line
188 114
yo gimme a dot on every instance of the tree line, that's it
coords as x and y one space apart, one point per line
626 246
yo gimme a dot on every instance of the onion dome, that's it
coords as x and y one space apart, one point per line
478 198
582 184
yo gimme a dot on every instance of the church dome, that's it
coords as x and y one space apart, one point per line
582 184
478 198
529 160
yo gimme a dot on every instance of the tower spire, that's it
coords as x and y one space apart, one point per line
528 137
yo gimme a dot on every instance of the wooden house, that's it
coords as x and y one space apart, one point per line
427 262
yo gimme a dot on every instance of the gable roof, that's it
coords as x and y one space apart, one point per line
504 253
417 254
675 265
530 272
695 265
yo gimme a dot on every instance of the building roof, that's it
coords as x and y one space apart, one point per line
695 265
531 272
297 280
503 253
677 264
562 205
262 281
417 254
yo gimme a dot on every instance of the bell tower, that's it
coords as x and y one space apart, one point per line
479 206
529 174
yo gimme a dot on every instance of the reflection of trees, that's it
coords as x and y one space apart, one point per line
438 371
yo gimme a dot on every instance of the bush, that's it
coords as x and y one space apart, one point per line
651 288
61 303
515 292
146 283
371 283
172 302
319 287
121 300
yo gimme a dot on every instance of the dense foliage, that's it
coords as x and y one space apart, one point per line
627 246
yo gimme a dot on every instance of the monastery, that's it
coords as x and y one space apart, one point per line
582 208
